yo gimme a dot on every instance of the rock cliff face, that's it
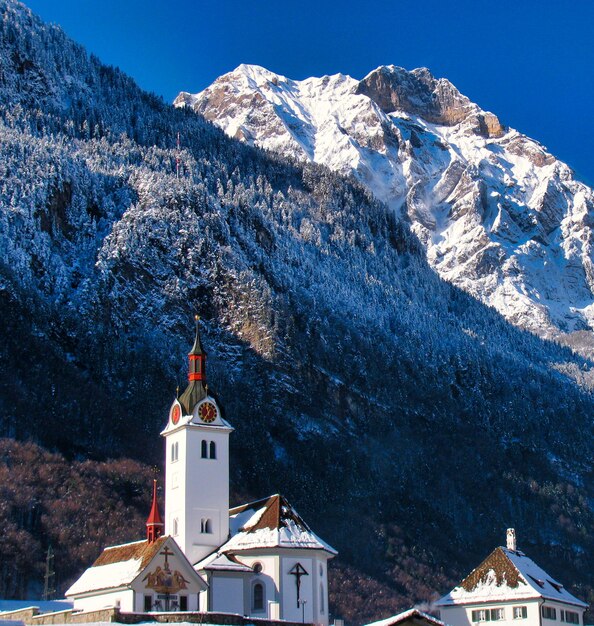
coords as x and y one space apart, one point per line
497 215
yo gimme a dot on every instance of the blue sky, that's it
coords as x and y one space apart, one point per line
530 62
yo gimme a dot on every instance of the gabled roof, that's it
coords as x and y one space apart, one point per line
120 566
508 575
270 523
413 616
116 566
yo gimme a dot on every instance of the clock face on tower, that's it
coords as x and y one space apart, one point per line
207 412
175 414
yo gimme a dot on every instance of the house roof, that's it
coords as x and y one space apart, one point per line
413 616
270 523
116 566
508 575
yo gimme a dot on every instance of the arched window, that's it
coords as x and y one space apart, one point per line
258 597
175 527
322 598
213 450
204 449
205 525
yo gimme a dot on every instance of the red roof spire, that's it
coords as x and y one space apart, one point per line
154 523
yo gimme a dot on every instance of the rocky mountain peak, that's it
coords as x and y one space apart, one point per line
418 93
498 215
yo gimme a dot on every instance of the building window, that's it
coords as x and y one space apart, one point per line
213 450
258 597
257 567
480 615
183 603
548 612
174 528
174 451
205 525
570 617
520 612
204 453
497 614
148 603
322 603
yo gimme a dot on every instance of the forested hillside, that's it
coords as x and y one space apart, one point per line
408 423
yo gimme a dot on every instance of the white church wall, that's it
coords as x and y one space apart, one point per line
227 593
290 611
124 599
314 587
268 577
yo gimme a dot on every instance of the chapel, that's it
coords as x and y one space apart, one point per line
260 559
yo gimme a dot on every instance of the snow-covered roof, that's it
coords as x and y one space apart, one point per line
116 566
508 575
222 562
412 615
270 523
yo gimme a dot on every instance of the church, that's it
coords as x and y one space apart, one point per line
259 560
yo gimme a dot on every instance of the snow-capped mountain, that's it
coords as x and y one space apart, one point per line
498 215
407 420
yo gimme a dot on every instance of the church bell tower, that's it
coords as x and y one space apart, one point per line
197 465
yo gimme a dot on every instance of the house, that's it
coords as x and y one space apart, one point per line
258 560
511 589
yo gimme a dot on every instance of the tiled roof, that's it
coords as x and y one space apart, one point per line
141 550
508 575
116 566
270 523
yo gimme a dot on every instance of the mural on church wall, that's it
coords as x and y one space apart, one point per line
163 580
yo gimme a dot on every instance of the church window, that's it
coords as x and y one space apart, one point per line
258 597
204 453
183 603
322 598
205 525
148 603
213 450
175 526
257 567
174 451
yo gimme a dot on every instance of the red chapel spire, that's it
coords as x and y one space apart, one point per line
154 523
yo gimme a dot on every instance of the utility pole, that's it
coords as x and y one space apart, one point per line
49 580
